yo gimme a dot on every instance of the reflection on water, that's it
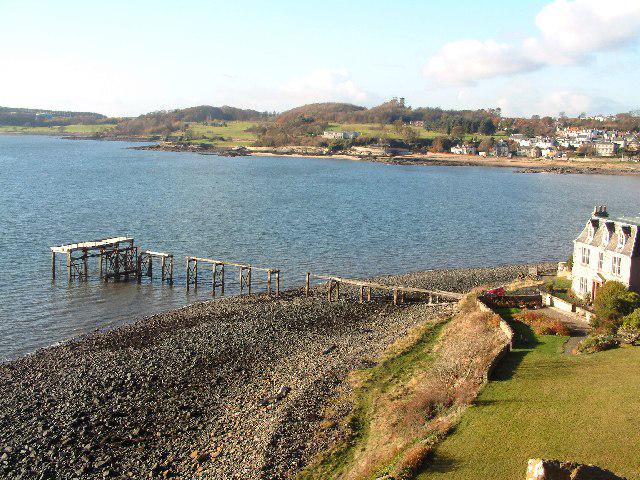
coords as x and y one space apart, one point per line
323 215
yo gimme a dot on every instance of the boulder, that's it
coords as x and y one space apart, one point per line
541 469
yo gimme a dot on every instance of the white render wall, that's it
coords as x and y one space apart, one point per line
591 271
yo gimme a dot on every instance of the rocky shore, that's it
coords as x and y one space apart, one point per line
232 388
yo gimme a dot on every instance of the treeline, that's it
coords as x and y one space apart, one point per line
28 117
166 122
447 121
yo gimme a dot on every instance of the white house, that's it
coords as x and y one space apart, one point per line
340 135
606 249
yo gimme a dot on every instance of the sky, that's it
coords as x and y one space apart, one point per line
125 58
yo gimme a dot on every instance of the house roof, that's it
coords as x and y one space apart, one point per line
617 227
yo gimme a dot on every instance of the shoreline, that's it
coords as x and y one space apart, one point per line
588 166
232 388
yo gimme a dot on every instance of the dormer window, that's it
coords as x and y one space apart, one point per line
606 236
622 239
590 232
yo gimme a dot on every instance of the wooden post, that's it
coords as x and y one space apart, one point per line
171 269
164 275
195 273
53 265
361 294
369 294
268 282
101 262
188 271
249 280
69 265
241 269
150 267
338 291
222 280
395 296
214 274
307 284
277 283
330 289
85 264
138 269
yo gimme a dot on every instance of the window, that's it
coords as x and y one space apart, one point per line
622 239
600 260
583 285
585 256
615 265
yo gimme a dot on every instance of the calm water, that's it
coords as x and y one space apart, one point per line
332 216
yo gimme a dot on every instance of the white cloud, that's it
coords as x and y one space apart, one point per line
465 61
324 85
569 32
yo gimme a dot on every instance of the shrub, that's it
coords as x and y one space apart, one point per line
541 324
598 343
629 332
613 302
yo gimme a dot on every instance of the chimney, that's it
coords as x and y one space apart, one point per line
600 211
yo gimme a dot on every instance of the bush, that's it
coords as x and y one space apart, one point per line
543 325
598 343
630 330
612 303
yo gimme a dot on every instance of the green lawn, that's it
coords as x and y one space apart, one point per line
84 129
543 403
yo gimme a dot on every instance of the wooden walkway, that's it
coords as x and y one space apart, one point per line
399 291
245 276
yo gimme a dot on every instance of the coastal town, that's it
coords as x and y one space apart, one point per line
567 142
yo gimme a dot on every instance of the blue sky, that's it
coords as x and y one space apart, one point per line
127 58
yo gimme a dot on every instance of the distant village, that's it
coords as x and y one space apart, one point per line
566 142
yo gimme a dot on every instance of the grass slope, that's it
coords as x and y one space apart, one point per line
547 404
374 383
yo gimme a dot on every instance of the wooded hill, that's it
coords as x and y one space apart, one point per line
30 117
166 122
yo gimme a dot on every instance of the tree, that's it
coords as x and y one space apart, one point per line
487 127
440 145
486 144
614 301
457 131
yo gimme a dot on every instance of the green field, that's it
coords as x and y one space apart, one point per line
79 129
546 404
234 133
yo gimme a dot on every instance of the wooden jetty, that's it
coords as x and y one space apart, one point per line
399 291
118 259
218 275
145 265
245 278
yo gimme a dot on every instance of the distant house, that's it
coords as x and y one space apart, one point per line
417 123
531 152
465 149
605 149
501 149
606 249
340 135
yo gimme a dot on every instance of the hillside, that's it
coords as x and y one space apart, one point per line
166 122
31 117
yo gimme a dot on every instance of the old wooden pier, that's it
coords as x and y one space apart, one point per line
245 277
118 259
399 291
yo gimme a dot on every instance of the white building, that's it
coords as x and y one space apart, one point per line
605 149
341 135
606 249
466 149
